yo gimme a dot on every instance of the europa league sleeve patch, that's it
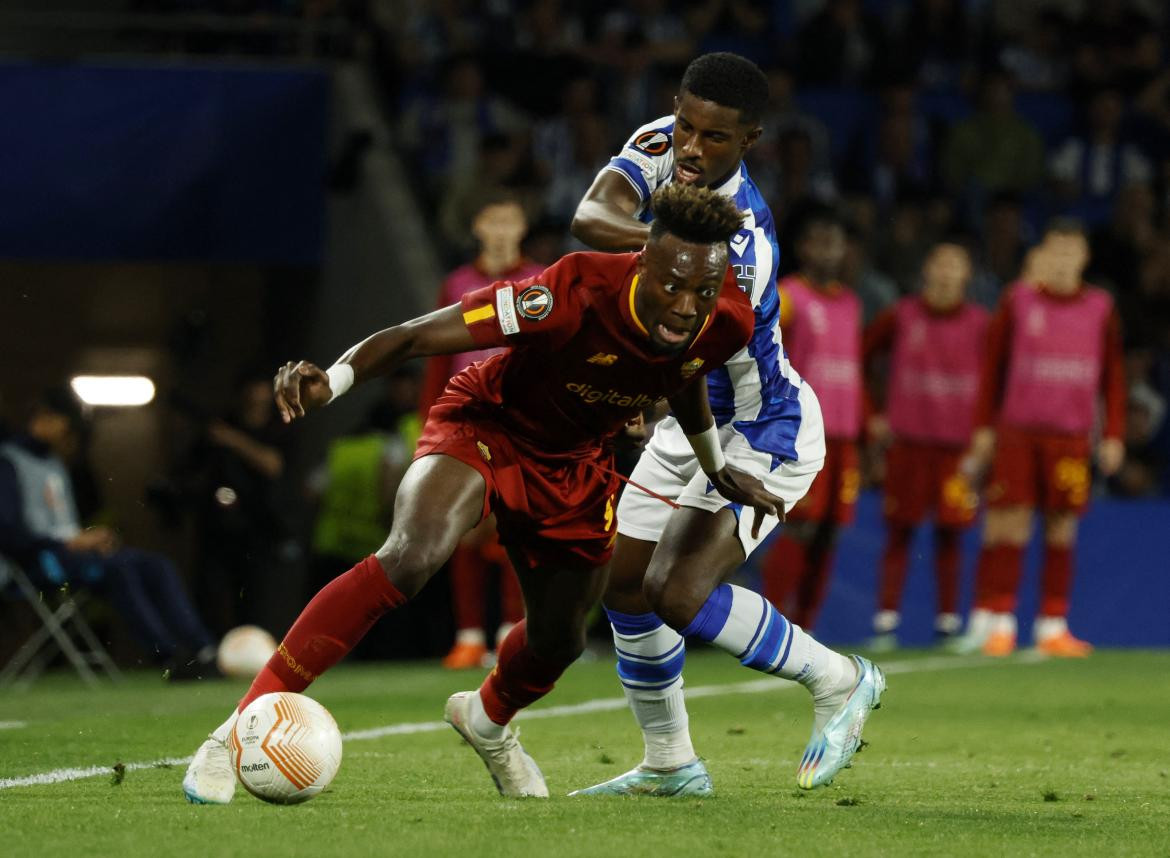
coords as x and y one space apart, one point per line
652 142
535 303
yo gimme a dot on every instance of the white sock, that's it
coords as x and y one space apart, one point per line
502 632
480 723
979 624
1003 624
885 622
1046 628
650 660
749 627
470 637
948 624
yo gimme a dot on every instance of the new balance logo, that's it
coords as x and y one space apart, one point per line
603 359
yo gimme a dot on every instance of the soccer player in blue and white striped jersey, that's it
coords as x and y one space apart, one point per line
666 577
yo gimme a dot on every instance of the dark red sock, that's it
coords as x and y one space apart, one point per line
781 571
511 598
1056 581
1000 567
328 628
519 679
468 569
946 568
894 561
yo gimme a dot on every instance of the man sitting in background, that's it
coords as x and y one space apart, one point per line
40 528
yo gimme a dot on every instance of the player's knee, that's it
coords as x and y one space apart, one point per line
672 599
409 564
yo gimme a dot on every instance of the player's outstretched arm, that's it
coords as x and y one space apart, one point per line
302 386
693 412
605 220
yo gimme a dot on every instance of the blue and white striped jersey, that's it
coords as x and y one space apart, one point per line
757 389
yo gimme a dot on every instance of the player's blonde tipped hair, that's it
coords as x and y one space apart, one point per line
694 214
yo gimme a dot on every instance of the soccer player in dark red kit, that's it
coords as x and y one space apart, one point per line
499 226
821 320
934 341
596 339
1054 348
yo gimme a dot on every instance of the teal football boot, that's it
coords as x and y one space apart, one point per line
688 780
831 748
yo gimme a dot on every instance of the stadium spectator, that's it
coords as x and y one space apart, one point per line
935 342
1089 169
821 320
41 529
499 226
237 466
1038 57
444 131
999 254
783 115
1053 347
996 149
841 45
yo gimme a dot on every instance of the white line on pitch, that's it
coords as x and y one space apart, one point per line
604 704
12 725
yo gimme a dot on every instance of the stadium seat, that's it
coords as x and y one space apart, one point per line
63 629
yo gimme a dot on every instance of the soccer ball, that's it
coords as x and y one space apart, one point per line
285 747
243 651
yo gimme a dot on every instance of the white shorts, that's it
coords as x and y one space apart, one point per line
668 466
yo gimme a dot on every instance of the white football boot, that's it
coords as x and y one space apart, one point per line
210 778
832 747
514 772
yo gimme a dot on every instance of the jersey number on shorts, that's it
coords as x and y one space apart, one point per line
608 513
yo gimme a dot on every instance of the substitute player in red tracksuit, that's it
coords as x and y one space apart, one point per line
935 343
1054 347
595 340
821 321
499 226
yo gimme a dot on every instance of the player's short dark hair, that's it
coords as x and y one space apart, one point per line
730 80
1065 226
694 214
62 402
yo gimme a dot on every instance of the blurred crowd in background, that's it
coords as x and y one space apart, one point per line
917 120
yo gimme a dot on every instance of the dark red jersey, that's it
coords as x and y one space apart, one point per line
580 363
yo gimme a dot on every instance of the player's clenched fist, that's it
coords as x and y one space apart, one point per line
299 387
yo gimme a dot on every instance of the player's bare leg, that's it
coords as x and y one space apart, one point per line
439 499
1050 631
650 661
531 658
992 625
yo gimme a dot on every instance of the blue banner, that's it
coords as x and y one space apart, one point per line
183 163
1121 589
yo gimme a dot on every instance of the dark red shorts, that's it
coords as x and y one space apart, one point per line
922 478
555 511
1046 470
833 494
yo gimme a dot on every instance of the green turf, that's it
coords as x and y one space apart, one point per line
969 758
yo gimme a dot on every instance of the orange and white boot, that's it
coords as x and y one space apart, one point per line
1053 638
469 650
1001 637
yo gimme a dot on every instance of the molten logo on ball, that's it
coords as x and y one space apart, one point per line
285 748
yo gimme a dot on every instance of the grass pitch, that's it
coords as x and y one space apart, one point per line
966 757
